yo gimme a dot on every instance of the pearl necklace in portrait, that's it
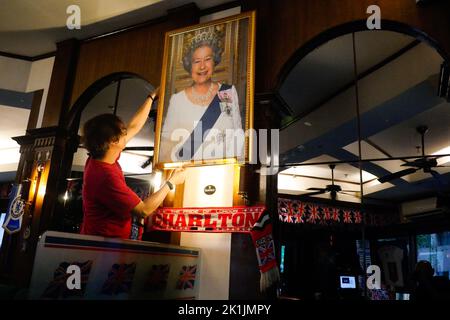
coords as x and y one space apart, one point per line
202 99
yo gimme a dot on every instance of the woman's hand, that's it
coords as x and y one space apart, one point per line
178 176
154 94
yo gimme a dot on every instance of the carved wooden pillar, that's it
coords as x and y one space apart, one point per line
46 159
11 243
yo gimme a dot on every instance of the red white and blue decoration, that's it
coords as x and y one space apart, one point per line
186 278
119 279
57 288
157 277
299 212
248 219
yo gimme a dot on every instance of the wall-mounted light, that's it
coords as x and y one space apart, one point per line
40 167
157 179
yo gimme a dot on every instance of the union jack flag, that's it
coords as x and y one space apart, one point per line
299 210
120 278
157 277
335 215
313 214
186 278
283 210
265 250
326 213
57 288
283 206
290 218
347 216
357 217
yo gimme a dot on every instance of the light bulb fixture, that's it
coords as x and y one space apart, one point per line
40 167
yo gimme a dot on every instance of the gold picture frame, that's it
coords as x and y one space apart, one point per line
236 38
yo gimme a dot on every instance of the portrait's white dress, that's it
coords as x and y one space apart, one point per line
182 117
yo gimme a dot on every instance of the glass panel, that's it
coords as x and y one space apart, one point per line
435 248
402 183
316 181
102 103
133 93
321 96
398 93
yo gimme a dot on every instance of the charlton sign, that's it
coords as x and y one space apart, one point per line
234 219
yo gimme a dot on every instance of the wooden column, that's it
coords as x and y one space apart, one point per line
262 189
46 159
10 244
61 83
45 162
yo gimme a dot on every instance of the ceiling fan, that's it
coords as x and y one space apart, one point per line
332 188
423 163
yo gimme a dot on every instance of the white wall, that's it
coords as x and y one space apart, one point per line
39 78
14 74
216 247
22 76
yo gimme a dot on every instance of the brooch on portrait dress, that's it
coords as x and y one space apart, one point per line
225 101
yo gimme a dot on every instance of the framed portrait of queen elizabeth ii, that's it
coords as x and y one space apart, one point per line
205 109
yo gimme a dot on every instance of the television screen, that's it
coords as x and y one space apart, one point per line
401 296
347 282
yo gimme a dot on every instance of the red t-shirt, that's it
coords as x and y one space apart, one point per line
107 200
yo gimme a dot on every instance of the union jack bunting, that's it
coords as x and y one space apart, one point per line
357 217
347 216
57 288
313 213
296 211
335 215
119 279
299 210
283 210
326 213
186 278
157 277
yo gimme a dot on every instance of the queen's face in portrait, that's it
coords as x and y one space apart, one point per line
202 65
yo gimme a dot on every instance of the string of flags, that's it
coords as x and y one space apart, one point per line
300 212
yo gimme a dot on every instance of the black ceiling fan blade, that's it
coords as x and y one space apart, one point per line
409 164
313 193
397 175
317 189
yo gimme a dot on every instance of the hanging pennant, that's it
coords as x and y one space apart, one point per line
16 206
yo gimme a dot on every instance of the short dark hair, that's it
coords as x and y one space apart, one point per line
100 131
